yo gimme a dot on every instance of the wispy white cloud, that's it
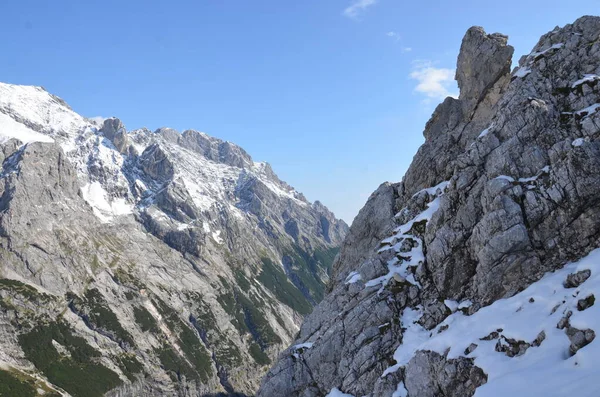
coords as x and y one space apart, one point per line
97 119
393 35
398 38
357 6
433 82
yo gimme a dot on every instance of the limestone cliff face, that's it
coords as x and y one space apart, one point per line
139 263
505 189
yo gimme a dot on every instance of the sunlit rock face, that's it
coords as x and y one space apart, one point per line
477 274
140 263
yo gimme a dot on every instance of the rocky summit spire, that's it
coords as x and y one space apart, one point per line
483 59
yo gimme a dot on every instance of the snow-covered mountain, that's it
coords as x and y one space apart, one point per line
146 263
477 274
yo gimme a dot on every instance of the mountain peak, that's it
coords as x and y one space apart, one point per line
174 253
482 60
474 275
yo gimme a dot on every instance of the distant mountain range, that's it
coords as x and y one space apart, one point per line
146 263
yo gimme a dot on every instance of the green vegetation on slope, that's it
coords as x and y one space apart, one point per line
248 318
306 270
15 383
80 374
230 305
326 256
226 352
144 319
129 365
241 280
274 278
22 298
189 342
122 277
175 365
94 310
26 291
258 355
11 386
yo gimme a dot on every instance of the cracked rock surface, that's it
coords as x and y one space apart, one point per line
140 263
505 188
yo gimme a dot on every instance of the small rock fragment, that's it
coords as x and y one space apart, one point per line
585 303
492 335
470 349
539 339
576 279
564 322
511 347
579 338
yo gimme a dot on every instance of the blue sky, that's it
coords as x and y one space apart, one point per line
334 94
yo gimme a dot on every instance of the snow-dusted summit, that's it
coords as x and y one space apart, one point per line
146 263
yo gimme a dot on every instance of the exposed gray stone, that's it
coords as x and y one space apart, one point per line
511 347
585 303
483 59
371 225
564 321
429 374
143 247
521 200
156 163
576 279
579 338
470 349
114 130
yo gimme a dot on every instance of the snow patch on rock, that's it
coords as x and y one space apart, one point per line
9 128
586 79
547 369
335 392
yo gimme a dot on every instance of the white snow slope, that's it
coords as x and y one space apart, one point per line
31 114
547 370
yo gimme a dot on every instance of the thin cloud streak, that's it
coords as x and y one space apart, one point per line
397 39
393 35
357 7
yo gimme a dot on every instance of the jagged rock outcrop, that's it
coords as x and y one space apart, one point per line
377 220
482 61
114 130
155 163
429 372
444 275
139 263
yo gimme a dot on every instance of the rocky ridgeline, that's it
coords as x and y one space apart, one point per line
476 274
140 263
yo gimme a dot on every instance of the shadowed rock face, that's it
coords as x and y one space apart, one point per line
114 130
520 153
215 149
139 263
156 164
